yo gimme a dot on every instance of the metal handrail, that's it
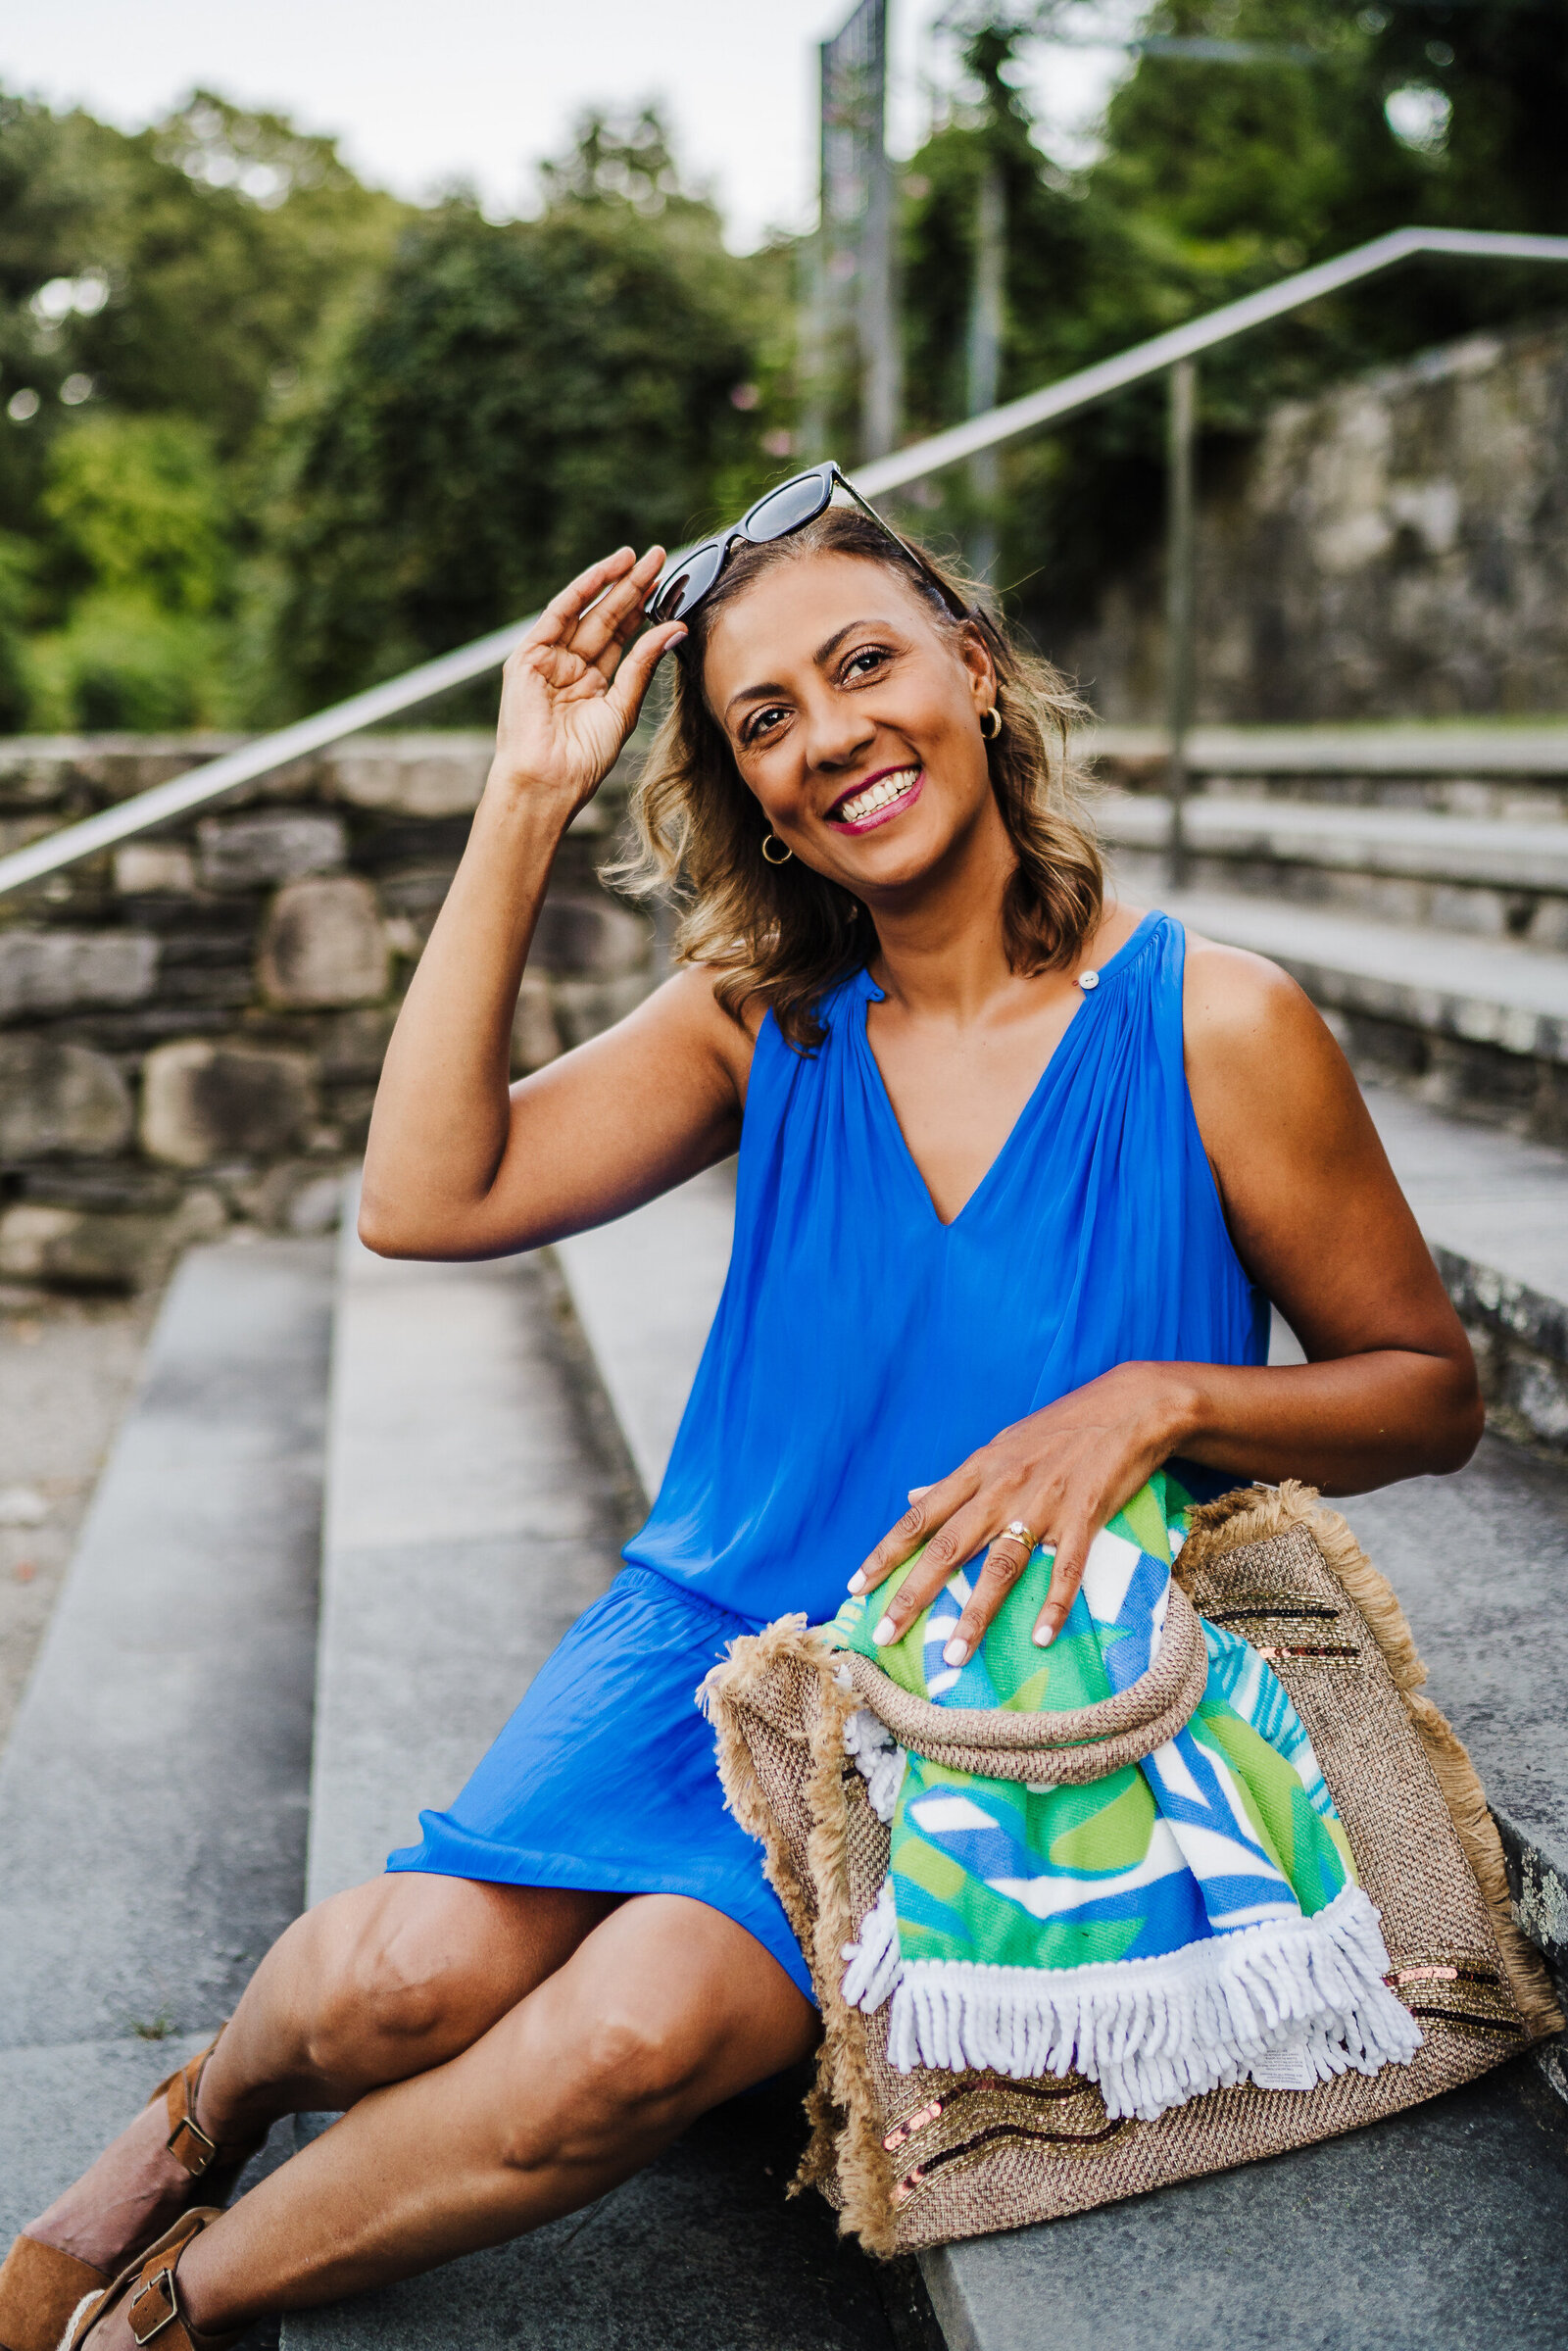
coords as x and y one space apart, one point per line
1049 406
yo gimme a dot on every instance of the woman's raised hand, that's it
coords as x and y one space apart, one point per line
571 691
1061 1473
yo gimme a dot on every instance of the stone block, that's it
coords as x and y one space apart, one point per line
57 1098
535 1038
295 1196
154 870
274 845
323 944
352 1045
79 1248
417 775
204 1101
590 937
117 1184
585 1008
54 972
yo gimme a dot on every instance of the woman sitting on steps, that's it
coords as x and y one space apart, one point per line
1020 1175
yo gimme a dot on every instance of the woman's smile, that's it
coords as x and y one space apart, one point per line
887 795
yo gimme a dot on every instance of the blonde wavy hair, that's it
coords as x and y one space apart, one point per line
785 933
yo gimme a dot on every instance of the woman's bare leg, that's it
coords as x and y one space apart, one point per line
663 2010
378 1984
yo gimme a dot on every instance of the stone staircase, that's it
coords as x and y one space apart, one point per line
462 1448
1413 878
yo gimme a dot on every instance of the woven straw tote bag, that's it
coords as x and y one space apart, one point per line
926 2157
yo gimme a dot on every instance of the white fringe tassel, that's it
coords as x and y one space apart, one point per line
879 1760
1151 2032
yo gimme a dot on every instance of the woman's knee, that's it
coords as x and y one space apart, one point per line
622 2078
394 1978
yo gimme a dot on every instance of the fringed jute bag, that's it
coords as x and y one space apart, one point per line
952 2099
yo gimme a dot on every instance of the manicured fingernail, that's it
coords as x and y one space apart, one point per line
884 1632
857 1581
956 1651
1044 1636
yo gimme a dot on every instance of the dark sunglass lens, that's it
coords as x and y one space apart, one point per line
685 587
788 507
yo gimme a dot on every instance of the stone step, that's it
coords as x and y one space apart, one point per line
1411 2236
1535 750
471 1516
1476 991
1495 1212
1489 876
153 1790
1478 1026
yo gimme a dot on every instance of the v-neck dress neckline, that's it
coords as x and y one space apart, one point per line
869 993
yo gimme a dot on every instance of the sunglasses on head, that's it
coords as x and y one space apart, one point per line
690 576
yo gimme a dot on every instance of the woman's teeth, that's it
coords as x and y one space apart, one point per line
875 796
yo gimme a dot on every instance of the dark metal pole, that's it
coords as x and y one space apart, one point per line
1180 598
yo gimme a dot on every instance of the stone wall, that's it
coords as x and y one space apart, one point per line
1397 547
191 1026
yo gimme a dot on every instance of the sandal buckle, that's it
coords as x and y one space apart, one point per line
205 2149
161 2278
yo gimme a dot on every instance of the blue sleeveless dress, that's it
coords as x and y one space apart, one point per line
861 1347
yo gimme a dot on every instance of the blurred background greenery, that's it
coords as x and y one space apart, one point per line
270 434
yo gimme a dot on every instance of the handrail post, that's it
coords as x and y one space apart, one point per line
1180 601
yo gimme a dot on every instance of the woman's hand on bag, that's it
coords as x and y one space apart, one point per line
1061 1473
571 691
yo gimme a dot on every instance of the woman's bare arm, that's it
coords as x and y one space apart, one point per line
1389 1390
459 1164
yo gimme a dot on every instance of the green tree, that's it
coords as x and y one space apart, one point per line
160 296
514 401
1216 177
141 527
138 506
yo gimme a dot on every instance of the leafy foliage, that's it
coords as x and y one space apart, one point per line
513 402
267 434
1217 178
157 296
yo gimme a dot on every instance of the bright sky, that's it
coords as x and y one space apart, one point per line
422 92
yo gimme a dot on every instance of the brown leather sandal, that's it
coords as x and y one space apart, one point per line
40 2286
216 2165
149 2291
39 2289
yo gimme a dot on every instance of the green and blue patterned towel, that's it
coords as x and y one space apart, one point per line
1164 1931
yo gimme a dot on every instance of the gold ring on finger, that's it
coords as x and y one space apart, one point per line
1016 1531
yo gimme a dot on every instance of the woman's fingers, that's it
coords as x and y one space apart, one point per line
1067 1573
626 696
1005 1563
958 1540
567 605
929 1505
611 623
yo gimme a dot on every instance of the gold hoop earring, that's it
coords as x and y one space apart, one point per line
771 841
997 723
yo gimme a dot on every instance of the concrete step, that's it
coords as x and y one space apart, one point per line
1488 876
1505 750
153 1790
1495 1212
1478 1026
1425 2232
1480 992
470 1517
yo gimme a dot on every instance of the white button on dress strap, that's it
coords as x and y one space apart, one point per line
1089 979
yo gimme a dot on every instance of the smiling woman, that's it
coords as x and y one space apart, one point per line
785 939
1020 1175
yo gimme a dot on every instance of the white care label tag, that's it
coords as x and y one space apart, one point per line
1288 2067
